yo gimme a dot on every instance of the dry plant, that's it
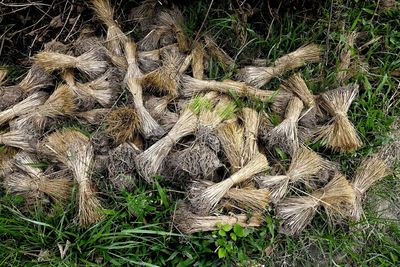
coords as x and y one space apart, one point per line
158 109
198 60
296 213
122 124
340 134
19 139
150 60
247 198
259 76
251 122
94 116
345 58
166 78
150 161
305 165
207 199
191 86
133 70
148 125
102 89
6 155
144 13
371 170
215 51
90 63
36 182
115 37
285 135
188 222
3 75
26 106
74 150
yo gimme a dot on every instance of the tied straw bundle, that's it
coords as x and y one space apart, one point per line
207 199
340 134
19 139
197 55
33 182
259 76
285 135
95 116
74 150
115 37
158 109
6 155
122 124
188 222
26 106
296 213
303 168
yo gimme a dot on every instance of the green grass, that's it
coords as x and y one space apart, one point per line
137 228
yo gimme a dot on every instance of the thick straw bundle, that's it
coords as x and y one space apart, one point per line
285 135
340 134
94 116
74 150
188 222
251 121
148 126
174 20
370 171
198 60
303 168
208 198
297 212
122 124
58 189
158 109
6 155
19 139
192 86
115 37
25 106
259 76
89 63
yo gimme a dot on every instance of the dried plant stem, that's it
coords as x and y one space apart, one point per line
345 58
198 60
18 139
251 121
215 51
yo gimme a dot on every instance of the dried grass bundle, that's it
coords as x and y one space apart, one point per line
27 105
89 63
305 165
251 122
248 198
133 70
121 166
340 134
10 95
345 58
215 51
157 107
297 212
144 13
103 90
6 166
148 125
115 37
370 171
259 76
198 60
74 150
192 86
19 139
21 184
58 189
188 222
122 124
149 162
165 79
94 116
285 135
174 21
207 199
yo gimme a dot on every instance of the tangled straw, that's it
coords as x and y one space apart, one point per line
340 134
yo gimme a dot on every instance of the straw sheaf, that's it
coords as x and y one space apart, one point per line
303 168
94 116
10 95
340 134
6 154
74 150
259 76
215 51
157 107
58 189
89 62
251 121
345 58
26 106
210 197
198 60
133 70
18 139
370 171
174 20
35 79
148 126
285 135
122 124
150 161
297 212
